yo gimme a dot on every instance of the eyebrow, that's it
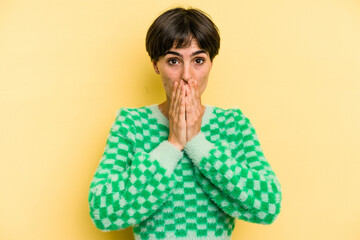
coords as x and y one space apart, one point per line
178 54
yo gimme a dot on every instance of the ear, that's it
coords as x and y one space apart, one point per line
155 66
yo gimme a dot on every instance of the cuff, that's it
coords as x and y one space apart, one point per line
167 155
198 147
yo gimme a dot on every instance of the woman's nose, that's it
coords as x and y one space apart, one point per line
186 73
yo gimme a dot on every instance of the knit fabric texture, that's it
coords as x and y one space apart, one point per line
145 182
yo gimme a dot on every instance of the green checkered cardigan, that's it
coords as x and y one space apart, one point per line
144 181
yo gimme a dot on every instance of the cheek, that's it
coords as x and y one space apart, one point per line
202 86
203 80
168 85
169 78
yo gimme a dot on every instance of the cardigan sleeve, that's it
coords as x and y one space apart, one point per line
235 173
129 186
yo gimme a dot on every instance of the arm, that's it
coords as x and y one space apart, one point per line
129 186
235 173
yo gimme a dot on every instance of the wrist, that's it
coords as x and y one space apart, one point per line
176 144
192 135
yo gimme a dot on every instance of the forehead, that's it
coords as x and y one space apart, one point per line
192 47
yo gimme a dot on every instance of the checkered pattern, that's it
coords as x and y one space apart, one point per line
145 182
233 170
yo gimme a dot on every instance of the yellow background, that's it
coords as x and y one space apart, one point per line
293 67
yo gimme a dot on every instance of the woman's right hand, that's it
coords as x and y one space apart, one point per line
177 122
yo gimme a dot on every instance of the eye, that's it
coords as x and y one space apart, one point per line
173 61
199 60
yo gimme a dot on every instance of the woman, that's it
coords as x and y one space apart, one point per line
181 169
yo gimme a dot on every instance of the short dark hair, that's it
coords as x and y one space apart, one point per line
181 25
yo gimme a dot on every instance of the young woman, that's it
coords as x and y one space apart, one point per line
182 169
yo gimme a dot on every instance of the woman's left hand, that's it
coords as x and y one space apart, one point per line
193 110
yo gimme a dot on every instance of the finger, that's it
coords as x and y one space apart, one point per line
173 93
179 101
177 96
187 101
197 95
187 90
191 105
193 89
188 109
197 92
196 107
182 107
192 95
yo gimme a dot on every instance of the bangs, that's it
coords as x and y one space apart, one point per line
183 40
181 35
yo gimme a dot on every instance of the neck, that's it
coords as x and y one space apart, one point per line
164 107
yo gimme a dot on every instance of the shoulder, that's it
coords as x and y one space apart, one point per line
130 112
126 118
233 112
232 117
